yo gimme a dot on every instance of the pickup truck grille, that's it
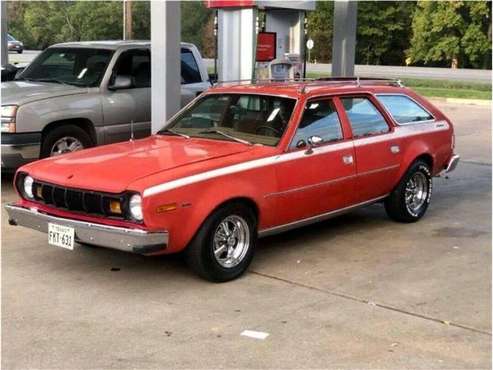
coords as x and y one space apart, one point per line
85 201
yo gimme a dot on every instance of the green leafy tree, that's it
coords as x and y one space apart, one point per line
320 26
454 33
194 17
383 31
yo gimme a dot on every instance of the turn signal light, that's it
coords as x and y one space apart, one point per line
166 208
115 207
39 191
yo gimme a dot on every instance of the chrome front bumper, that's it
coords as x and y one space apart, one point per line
124 239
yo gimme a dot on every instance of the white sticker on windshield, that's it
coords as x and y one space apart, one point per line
273 114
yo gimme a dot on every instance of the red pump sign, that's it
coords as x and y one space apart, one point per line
266 46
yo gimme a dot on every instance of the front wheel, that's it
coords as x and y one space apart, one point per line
64 139
224 246
410 199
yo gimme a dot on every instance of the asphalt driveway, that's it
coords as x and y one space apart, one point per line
359 291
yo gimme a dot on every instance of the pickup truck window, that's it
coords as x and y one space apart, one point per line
319 119
136 64
258 119
189 70
74 66
403 109
364 118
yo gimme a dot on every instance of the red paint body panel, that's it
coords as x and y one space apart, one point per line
285 185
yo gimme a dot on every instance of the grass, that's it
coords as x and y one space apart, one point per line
439 88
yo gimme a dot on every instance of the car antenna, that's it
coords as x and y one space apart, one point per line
132 130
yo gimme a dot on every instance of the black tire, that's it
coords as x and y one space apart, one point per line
53 135
395 204
200 252
19 51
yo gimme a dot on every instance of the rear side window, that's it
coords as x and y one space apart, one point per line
319 119
364 117
403 109
189 70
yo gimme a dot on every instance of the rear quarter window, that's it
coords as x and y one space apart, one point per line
403 109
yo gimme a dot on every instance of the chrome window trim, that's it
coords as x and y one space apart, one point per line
410 98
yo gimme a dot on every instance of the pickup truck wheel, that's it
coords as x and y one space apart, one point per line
224 246
410 199
64 139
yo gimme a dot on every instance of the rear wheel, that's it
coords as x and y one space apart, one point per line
225 244
410 199
65 139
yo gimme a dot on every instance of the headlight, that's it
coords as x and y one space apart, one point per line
8 118
135 207
28 187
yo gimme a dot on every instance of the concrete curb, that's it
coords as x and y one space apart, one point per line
482 102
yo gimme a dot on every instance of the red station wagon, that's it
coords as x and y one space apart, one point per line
240 162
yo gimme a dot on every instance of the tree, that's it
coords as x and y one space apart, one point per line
194 17
455 33
383 31
320 25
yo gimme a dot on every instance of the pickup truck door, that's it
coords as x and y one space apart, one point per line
377 149
122 106
313 181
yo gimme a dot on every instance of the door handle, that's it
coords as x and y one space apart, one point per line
394 149
347 159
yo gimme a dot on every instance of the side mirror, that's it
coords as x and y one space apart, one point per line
213 78
313 141
121 82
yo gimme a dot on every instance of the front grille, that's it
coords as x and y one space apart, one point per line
84 201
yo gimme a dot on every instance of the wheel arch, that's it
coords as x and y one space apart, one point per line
83 123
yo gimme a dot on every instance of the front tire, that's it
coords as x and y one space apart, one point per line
225 244
409 201
64 139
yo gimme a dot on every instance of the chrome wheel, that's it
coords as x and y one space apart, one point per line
231 241
66 144
416 192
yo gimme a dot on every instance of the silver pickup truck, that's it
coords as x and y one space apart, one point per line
81 94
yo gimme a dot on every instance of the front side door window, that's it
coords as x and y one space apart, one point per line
320 120
135 64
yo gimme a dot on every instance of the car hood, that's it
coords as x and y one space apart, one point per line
111 168
22 92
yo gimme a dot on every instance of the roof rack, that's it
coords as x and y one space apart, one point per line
263 81
311 82
358 81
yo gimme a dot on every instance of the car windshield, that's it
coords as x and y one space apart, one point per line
74 66
247 118
10 38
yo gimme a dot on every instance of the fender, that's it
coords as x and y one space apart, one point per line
414 149
192 204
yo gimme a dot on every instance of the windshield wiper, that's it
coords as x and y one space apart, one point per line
215 131
51 80
173 132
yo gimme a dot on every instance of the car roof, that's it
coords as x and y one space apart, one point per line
309 88
109 44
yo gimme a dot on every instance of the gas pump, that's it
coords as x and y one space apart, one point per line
276 50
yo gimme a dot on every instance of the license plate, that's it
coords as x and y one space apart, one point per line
61 236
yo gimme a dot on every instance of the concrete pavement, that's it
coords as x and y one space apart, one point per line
359 291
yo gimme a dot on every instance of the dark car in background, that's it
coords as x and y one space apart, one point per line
14 45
